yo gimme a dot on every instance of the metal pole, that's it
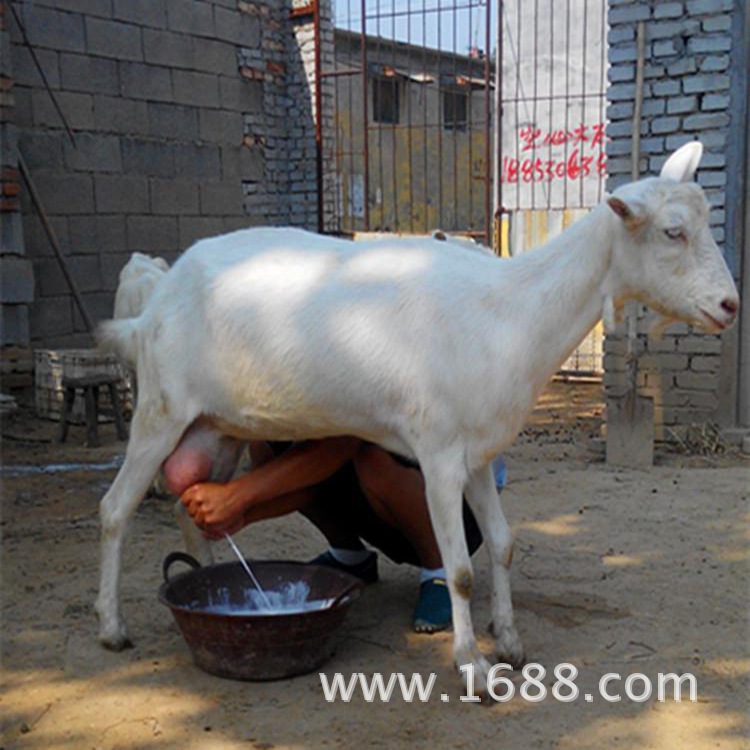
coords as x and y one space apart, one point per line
497 197
631 316
42 74
36 200
365 115
488 223
318 115
635 170
743 337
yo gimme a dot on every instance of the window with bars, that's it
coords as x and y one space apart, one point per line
385 100
455 104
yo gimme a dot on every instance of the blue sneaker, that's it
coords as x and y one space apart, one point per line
433 612
366 571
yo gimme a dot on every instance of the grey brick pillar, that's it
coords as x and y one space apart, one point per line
285 190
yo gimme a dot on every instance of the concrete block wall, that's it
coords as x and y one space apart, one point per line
692 73
186 124
16 272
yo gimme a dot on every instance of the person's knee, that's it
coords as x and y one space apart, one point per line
317 508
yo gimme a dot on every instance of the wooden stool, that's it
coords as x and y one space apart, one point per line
90 385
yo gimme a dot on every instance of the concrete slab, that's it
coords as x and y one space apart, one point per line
630 432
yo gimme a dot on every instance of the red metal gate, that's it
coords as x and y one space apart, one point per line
411 92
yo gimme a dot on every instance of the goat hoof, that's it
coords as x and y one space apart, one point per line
477 677
508 646
119 643
115 639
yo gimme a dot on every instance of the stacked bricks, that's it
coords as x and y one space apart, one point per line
155 96
303 179
688 94
16 272
285 127
268 129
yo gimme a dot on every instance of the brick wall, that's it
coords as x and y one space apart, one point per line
692 68
285 61
186 123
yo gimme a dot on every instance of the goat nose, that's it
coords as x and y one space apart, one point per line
730 306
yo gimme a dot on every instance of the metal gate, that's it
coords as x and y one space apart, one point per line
412 102
412 140
552 163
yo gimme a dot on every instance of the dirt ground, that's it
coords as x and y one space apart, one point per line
615 571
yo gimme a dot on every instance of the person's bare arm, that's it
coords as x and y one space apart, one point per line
217 507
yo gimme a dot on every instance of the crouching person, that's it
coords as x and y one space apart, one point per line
354 493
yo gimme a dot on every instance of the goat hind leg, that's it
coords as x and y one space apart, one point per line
444 492
145 453
485 503
196 543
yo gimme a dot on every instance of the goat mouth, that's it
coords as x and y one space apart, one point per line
713 321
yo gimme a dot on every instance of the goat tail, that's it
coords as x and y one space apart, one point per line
121 338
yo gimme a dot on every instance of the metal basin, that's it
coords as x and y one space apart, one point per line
256 646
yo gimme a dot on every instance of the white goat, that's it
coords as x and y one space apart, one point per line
285 335
138 279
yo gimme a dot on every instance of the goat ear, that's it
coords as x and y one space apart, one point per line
630 212
681 166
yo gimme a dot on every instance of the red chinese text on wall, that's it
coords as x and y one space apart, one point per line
557 155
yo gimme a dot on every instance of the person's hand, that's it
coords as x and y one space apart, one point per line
213 509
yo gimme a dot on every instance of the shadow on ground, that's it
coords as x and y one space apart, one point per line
615 572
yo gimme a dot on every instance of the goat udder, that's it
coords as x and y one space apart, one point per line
186 466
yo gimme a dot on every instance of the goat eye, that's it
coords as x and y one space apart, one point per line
676 234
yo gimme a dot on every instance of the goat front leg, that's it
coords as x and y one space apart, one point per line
483 498
145 453
444 499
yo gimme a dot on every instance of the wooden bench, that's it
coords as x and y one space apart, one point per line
90 385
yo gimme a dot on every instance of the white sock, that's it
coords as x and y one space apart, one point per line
350 556
427 574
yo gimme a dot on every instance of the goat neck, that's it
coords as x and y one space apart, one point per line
567 283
